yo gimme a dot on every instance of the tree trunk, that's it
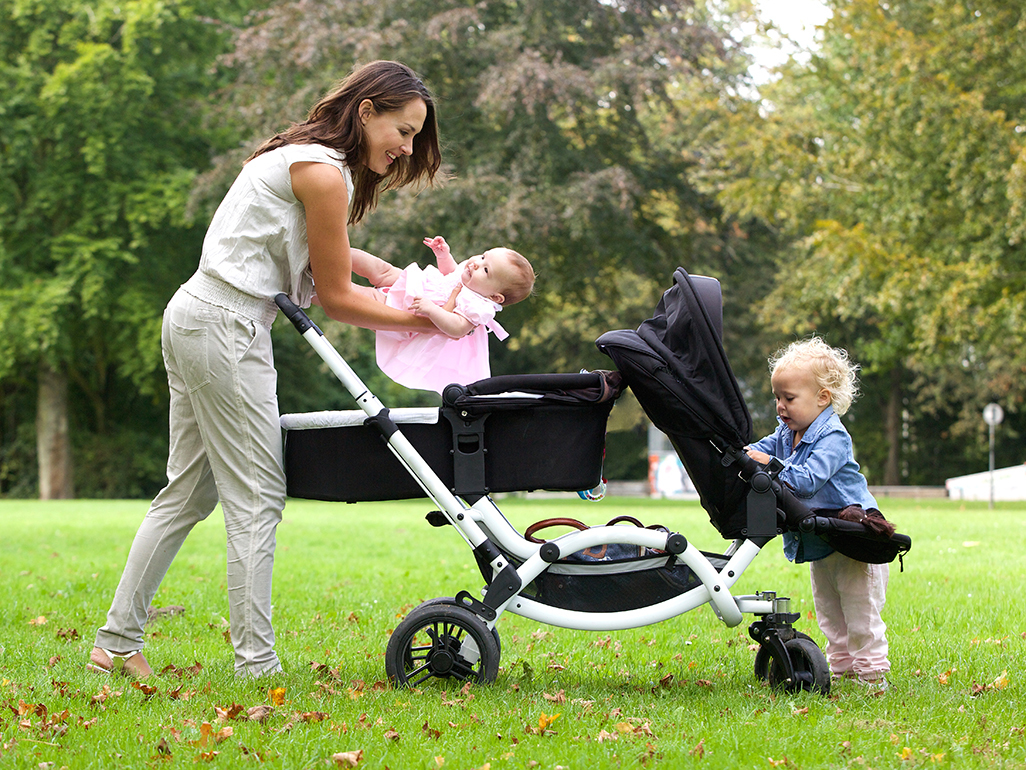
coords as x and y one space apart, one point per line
53 443
892 426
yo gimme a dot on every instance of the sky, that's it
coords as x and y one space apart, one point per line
798 19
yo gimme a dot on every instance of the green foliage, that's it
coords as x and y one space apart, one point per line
100 144
677 694
570 131
885 163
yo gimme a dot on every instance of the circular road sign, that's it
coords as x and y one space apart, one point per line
993 414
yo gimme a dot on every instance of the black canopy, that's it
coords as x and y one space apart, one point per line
676 366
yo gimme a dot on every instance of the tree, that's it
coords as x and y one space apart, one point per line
570 128
99 144
884 163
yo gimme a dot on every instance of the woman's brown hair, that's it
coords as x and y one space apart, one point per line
335 122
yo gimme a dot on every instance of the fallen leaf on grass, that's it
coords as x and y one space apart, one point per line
559 697
103 695
543 725
40 621
392 734
276 695
182 673
226 713
207 734
998 684
430 731
148 690
260 713
347 758
699 751
945 678
163 749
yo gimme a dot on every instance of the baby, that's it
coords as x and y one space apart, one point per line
460 299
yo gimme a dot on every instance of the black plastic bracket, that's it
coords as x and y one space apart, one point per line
504 586
384 423
772 631
762 507
478 608
468 452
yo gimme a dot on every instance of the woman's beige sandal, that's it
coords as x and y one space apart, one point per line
131 664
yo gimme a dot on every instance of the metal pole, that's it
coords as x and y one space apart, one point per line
992 466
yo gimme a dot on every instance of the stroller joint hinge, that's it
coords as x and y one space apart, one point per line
383 423
504 586
464 599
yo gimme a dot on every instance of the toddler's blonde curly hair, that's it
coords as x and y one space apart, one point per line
830 367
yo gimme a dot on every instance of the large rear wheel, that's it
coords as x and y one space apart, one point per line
442 641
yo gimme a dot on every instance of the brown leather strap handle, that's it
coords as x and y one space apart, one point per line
631 519
557 522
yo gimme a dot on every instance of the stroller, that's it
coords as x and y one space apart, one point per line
546 431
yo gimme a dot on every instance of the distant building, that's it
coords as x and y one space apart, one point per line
1009 484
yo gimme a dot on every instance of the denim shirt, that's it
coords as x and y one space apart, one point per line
823 474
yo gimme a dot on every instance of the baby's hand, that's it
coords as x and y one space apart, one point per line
760 457
418 305
438 246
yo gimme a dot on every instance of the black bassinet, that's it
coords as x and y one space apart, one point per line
503 434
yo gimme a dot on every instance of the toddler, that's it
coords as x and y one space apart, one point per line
461 300
813 384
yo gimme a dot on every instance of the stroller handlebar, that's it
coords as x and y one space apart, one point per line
295 314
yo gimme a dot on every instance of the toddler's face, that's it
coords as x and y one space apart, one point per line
799 400
488 273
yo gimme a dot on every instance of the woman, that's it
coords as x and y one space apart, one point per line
282 227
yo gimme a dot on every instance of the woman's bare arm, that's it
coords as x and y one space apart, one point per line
322 191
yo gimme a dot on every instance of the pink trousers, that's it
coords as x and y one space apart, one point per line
849 597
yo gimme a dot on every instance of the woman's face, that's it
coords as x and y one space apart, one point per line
389 135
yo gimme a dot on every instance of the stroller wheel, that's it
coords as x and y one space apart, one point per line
811 672
453 603
443 641
762 657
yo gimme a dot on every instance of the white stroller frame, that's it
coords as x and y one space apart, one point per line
460 632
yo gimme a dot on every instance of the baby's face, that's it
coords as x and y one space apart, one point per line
488 273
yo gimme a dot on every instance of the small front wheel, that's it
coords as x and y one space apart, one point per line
811 672
442 641
762 656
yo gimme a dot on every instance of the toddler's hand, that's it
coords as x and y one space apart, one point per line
438 246
416 304
760 457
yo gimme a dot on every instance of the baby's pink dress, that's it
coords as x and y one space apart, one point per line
431 361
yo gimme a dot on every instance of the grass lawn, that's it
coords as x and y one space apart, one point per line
678 694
